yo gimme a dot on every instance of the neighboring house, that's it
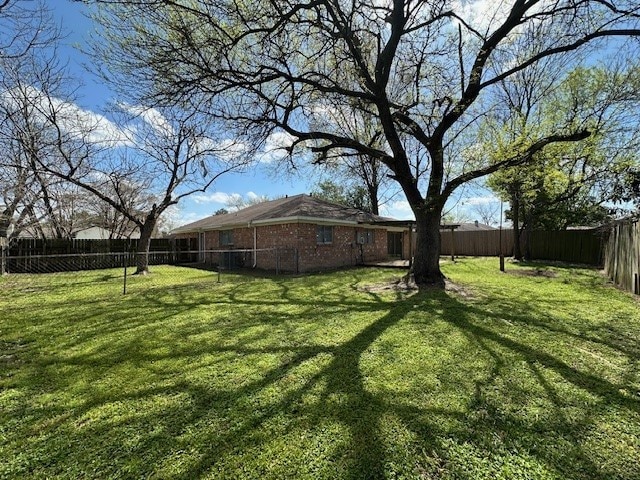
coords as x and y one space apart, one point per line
473 227
92 232
301 233
99 233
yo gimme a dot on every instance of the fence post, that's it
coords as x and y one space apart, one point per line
125 259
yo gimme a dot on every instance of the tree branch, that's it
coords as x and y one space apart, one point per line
514 161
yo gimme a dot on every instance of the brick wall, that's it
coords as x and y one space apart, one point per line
376 251
284 237
298 249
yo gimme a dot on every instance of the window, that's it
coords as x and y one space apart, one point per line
226 237
324 234
366 236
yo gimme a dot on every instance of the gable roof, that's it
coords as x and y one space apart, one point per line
474 227
298 208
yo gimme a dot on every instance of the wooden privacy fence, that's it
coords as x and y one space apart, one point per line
573 246
482 243
26 255
22 247
622 255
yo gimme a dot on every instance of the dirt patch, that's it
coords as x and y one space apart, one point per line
409 287
460 290
536 272
391 286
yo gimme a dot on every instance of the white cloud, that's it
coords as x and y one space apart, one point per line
487 15
275 147
72 119
228 149
482 15
215 197
225 198
184 218
482 200
151 116
399 209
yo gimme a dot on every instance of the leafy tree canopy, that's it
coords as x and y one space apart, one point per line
416 78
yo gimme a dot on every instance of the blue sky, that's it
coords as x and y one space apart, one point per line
262 180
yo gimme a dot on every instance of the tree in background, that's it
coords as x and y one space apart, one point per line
62 162
349 195
422 74
27 37
365 179
104 215
25 27
627 190
566 185
488 212
237 202
166 156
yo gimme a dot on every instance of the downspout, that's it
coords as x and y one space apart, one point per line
255 246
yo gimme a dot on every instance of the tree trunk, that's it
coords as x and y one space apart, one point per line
426 263
373 199
142 252
5 222
528 227
515 218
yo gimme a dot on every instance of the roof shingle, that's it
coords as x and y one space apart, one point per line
296 208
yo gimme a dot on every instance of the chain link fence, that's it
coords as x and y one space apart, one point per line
118 266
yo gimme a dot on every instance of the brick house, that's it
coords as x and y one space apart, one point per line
300 233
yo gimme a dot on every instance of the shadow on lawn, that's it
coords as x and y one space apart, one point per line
236 419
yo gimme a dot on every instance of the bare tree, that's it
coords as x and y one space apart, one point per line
115 222
423 73
25 26
164 157
28 40
488 212
237 202
138 169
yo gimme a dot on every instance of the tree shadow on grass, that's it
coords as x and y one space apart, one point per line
575 398
323 394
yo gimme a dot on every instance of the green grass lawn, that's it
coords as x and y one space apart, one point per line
525 375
